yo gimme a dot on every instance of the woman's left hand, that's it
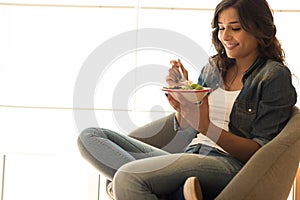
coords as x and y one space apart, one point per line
196 115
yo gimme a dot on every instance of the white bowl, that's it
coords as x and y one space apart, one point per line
193 96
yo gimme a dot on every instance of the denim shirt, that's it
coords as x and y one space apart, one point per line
264 104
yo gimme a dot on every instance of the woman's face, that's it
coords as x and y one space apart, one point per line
238 43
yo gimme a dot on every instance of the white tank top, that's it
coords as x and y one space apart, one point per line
220 103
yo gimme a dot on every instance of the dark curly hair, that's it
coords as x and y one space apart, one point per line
255 17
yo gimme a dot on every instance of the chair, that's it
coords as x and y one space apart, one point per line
271 171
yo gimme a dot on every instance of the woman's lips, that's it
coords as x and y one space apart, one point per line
230 46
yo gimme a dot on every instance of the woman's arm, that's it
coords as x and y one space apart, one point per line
239 147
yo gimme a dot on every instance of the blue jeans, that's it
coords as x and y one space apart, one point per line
141 171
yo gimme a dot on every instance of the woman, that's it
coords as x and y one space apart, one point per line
248 107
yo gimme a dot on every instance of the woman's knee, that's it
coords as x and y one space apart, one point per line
91 133
125 180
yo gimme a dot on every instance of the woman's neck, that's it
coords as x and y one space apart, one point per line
243 64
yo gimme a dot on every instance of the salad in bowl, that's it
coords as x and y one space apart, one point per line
192 92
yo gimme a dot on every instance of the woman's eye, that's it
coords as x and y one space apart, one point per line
236 29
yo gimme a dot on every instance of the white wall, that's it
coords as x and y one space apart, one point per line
44 47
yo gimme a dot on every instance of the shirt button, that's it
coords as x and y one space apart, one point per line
249 110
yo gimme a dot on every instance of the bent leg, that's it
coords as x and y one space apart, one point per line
108 150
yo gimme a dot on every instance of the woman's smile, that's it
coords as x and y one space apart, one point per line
231 46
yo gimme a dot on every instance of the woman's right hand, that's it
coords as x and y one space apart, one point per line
175 77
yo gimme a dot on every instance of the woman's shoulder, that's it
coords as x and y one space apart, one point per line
272 66
276 65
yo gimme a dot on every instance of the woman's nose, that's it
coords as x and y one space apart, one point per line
226 35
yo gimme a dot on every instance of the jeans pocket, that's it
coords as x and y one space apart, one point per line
199 148
193 148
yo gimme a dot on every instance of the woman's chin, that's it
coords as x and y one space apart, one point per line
232 56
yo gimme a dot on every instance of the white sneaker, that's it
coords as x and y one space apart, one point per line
109 191
192 189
